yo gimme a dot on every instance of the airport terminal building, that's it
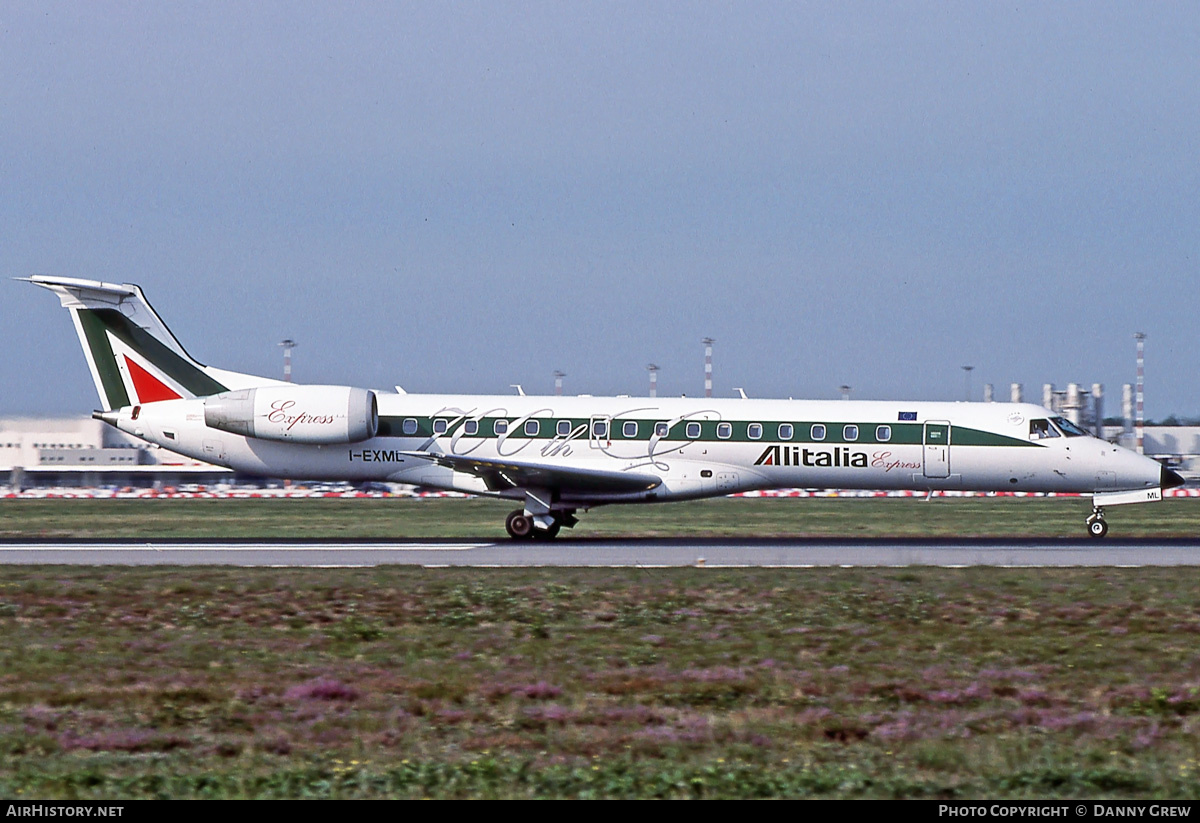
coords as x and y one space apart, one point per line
80 451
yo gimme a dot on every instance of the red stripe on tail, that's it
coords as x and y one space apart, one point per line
148 387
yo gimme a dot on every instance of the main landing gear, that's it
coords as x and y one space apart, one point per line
1095 523
522 526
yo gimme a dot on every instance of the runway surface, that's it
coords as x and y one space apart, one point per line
710 553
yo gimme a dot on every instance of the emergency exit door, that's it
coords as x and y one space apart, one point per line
937 448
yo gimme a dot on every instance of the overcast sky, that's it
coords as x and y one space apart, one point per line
456 197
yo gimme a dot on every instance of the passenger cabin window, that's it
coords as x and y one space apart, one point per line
1041 430
439 426
471 428
849 433
532 427
661 429
883 433
754 431
500 427
693 431
724 431
564 428
630 428
409 426
1068 428
818 431
785 431
600 429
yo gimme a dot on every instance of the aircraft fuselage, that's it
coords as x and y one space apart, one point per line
695 448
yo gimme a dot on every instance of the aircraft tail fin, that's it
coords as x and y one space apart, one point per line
133 357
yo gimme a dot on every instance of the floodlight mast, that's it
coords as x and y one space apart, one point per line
288 344
708 384
1140 421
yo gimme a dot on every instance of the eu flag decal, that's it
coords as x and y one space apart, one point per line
908 415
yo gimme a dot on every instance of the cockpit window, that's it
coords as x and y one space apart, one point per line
1041 429
1068 428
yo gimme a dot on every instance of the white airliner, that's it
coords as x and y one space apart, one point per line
557 455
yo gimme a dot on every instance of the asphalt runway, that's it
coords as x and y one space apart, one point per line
632 553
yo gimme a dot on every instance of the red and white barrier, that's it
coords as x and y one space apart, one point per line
303 493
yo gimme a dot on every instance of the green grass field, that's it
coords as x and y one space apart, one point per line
484 519
395 682
681 683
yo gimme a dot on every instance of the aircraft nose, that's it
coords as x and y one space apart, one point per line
1170 479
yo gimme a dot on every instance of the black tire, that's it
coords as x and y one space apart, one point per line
519 526
1097 527
547 534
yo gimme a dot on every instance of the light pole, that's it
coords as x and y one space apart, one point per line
708 344
1141 375
287 345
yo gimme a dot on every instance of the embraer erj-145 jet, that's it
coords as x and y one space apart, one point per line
557 455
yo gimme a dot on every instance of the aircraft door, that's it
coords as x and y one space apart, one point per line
937 448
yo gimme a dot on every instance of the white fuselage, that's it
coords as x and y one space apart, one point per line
707 447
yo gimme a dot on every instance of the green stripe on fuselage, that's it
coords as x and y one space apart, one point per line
962 436
902 434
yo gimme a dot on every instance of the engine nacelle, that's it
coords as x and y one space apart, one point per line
315 415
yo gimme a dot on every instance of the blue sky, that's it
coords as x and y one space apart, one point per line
461 196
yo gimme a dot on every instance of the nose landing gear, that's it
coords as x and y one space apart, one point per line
1095 523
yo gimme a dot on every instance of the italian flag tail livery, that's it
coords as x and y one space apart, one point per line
132 355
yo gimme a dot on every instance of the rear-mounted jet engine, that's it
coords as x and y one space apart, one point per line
298 414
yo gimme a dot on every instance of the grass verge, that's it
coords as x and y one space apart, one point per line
398 682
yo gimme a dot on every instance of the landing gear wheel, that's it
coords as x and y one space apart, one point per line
519 525
548 534
1095 524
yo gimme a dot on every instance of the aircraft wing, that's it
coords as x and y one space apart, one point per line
500 475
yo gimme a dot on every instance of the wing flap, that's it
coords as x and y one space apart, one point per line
501 475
